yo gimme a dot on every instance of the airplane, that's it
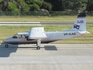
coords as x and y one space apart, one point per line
37 35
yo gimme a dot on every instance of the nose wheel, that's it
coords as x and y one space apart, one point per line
6 45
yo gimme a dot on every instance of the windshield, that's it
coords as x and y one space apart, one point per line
15 36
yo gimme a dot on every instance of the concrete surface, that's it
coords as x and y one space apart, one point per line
49 57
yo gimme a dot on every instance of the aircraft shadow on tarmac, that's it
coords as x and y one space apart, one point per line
5 52
50 47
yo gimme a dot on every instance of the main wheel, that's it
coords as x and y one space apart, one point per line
38 48
6 45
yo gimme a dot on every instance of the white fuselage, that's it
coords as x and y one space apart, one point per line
62 35
51 36
37 35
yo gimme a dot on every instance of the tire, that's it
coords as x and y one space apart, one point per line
38 48
6 45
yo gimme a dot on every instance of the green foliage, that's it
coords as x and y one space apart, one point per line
12 7
72 4
47 6
24 6
27 6
34 7
14 2
78 4
89 5
43 12
28 1
1 1
56 4
38 2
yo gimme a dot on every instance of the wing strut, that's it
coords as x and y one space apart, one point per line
38 44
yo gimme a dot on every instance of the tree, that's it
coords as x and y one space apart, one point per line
56 4
89 4
12 7
34 7
38 2
46 6
72 4
23 6
34 4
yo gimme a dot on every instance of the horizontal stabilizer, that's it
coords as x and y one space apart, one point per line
84 32
37 33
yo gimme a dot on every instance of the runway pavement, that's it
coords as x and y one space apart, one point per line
49 57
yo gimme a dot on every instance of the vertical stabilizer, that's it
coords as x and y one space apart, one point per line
80 23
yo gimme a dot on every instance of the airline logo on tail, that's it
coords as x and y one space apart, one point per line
78 23
76 26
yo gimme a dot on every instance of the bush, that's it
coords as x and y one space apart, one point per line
38 2
43 12
47 6
25 8
60 13
34 7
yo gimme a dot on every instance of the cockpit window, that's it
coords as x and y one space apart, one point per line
15 36
19 36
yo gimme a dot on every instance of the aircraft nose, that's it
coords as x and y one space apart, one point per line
7 40
4 41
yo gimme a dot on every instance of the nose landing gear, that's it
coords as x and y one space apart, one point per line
6 45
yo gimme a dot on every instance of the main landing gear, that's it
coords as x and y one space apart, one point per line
38 47
38 44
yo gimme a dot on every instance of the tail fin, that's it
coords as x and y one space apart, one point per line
80 23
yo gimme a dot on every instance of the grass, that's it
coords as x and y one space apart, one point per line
41 18
8 31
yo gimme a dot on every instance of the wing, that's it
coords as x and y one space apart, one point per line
37 33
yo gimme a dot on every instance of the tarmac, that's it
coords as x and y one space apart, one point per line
49 57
